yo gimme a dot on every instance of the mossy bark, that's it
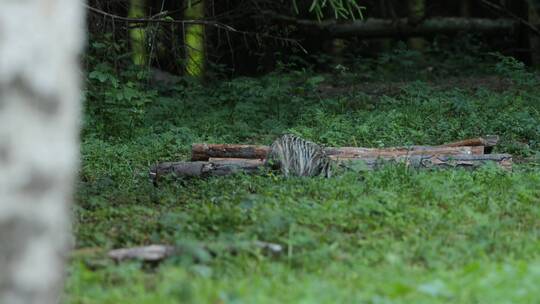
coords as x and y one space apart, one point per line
195 40
138 35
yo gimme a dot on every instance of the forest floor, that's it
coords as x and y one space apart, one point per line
392 236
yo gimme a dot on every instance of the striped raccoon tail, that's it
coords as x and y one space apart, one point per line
295 156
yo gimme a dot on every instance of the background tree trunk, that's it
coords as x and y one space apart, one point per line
194 40
417 13
534 39
465 8
138 35
40 41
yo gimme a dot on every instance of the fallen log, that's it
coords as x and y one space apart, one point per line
156 253
203 152
346 153
152 253
230 166
488 141
382 28
504 161
205 169
402 27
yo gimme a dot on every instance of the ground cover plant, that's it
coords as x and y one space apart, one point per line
392 236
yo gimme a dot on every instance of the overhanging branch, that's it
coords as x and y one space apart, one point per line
501 10
219 25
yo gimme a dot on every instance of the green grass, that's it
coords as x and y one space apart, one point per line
392 236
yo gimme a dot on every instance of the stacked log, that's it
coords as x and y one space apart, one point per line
226 159
474 146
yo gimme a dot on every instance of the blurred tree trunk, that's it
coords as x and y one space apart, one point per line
534 40
387 12
138 35
40 42
335 48
416 14
465 8
194 40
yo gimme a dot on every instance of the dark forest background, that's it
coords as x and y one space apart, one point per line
249 37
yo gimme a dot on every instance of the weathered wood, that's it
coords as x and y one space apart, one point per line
353 152
203 152
230 166
158 253
152 253
486 141
205 169
438 162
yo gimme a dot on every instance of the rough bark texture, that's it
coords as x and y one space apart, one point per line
205 169
353 152
204 152
229 166
40 41
138 35
486 141
440 162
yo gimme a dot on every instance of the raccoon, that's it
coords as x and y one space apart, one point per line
295 156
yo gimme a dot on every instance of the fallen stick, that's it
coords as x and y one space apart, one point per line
157 253
203 152
205 169
230 166
152 253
